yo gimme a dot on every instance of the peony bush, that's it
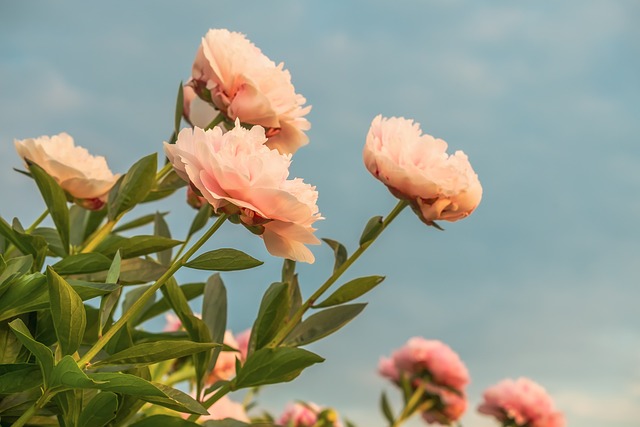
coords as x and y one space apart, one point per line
73 296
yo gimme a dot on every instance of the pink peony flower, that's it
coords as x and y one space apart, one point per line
305 415
245 84
243 342
225 368
223 409
437 369
522 402
173 323
237 174
417 168
85 177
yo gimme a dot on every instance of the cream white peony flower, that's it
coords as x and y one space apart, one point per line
245 84
417 168
83 176
237 174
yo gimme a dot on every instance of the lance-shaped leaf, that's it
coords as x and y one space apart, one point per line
274 309
19 377
351 290
11 235
135 246
100 410
9 345
133 187
385 407
200 220
89 290
339 252
154 352
36 245
82 263
371 230
225 259
138 222
161 229
43 354
176 400
230 422
214 312
164 421
52 238
108 303
167 186
24 294
56 202
67 310
12 269
177 117
323 323
132 271
274 365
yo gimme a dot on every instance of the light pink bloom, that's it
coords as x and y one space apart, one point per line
225 368
303 415
237 174
245 84
523 402
436 368
223 409
85 177
243 342
173 323
416 167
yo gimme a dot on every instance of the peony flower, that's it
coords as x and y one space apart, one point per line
417 168
434 367
521 402
239 175
225 408
85 177
244 84
243 343
225 368
306 415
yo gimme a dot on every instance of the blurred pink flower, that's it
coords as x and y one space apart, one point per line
225 368
304 415
245 84
521 401
437 369
85 177
223 409
417 168
172 324
243 342
237 174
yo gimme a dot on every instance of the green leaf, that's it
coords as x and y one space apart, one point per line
385 407
114 269
274 309
177 118
107 305
322 323
138 222
214 312
166 187
36 245
100 410
154 352
56 201
24 294
134 295
164 421
225 259
67 310
132 271
10 235
19 377
82 263
66 375
339 252
133 187
51 236
274 365
351 290
135 246
176 400
9 345
190 291
371 230
200 220
161 229
12 269
43 354
230 422
89 290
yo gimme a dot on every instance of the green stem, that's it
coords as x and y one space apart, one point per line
37 221
96 238
182 247
39 404
213 399
216 121
164 171
295 319
140 302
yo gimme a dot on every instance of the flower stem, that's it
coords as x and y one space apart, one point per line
297 316
164 171
216 121
412 406
31 411
37 221
96 238
140 302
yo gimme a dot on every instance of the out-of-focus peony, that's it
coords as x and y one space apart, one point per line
243 343
245 84
85 177
225 408
173 323
437 369
306 415
522 402
416 167
239 175
225 368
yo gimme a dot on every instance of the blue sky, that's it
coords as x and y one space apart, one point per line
542 280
